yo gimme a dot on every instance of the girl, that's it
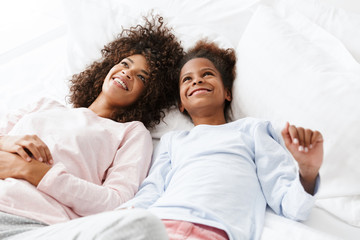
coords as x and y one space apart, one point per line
59 163
215 181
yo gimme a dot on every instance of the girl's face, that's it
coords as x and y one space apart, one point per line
125 82
201 87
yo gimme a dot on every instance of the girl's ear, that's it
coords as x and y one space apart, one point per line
228 95
181 108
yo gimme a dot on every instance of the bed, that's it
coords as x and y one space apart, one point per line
298 61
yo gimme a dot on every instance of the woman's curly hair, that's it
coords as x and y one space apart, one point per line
223 59
155 41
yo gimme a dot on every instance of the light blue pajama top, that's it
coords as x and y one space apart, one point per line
223 176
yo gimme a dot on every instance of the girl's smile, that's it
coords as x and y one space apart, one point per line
199 91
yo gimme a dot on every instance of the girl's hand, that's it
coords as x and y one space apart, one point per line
13 166
27 147
306 146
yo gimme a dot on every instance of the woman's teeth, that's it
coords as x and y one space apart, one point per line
121 83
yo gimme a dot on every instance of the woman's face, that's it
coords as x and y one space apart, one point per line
125 82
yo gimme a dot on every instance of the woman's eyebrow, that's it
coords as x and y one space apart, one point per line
145 72
129 59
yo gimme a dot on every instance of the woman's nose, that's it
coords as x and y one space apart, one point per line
126 73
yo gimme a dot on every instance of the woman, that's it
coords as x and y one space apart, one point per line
59 163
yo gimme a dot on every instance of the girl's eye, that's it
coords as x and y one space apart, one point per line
208 73
186 79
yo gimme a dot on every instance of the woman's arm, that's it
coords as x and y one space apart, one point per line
120 183
13 166
27 147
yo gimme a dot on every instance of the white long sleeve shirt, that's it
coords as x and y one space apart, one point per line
224 176
98 163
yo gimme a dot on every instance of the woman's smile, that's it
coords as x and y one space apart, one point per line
120 82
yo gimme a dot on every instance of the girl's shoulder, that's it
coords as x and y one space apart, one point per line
251 124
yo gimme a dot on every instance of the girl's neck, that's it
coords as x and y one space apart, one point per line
213 119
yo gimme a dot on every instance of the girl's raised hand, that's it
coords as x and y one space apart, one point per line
306 146
27 147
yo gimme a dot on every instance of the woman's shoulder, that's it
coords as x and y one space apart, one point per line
49 102
136 126
40 104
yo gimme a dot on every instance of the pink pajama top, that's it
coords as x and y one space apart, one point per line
98 163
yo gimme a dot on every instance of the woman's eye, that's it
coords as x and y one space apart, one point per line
142 78
124 64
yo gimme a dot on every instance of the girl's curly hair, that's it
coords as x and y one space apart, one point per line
155 41
223 59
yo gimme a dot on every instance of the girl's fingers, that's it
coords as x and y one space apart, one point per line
307 139
316 138
286 135
294 135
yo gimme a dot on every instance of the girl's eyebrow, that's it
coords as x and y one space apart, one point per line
207 68
142 70
201 69
185 74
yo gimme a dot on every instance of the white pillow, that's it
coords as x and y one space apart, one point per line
93 23
343 25
290 69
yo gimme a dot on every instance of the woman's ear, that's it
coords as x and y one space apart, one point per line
228 95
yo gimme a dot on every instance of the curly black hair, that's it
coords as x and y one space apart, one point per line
163 52
223 59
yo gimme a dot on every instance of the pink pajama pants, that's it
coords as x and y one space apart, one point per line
182 230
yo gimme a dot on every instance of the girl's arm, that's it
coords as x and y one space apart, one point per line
278 175
155 184
306 146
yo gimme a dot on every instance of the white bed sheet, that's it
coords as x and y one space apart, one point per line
42 71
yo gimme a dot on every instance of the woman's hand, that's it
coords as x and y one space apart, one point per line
306 146
13 166
27 147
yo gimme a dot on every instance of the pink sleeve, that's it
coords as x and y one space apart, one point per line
9 121
123 178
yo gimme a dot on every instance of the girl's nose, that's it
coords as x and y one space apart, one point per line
198 81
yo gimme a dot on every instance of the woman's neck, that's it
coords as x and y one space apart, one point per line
101 108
